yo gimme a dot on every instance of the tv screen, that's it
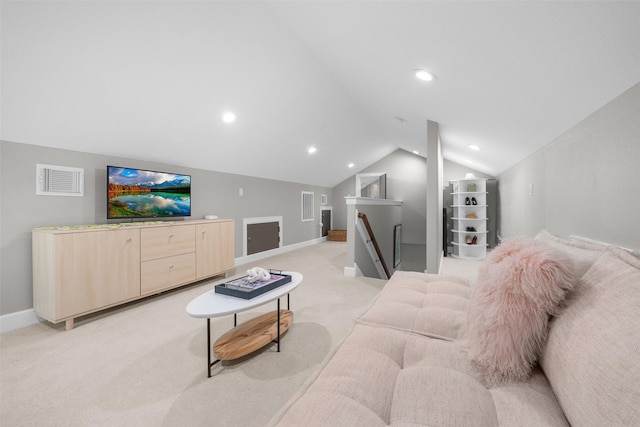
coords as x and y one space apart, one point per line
139 193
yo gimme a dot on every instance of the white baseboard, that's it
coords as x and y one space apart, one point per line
20 319
17 320
352 271
266 254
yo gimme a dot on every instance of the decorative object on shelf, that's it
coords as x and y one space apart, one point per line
258 274
467 201
471 187
472 215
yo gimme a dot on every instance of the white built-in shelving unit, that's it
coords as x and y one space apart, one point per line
469 218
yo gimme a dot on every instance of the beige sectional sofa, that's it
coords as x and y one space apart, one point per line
405 363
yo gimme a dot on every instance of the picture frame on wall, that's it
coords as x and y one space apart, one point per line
397 245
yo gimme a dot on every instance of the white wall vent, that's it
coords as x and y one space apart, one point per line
307 206
59 181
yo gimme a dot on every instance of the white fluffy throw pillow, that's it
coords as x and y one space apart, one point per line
520 284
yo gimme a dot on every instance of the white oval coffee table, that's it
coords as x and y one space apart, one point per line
212 304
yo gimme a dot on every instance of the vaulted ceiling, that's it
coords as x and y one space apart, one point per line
150 80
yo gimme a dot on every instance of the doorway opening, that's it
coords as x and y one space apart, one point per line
325 214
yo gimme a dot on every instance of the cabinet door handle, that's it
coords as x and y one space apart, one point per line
171 266
171 235
129 240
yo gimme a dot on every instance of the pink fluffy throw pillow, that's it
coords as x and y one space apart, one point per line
520 284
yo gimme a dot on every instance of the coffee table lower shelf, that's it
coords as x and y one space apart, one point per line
252 335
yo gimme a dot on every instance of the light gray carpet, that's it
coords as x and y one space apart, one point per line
144 364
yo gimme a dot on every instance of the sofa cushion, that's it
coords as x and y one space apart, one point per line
528 403
583 254
592 352
381 376
519 285
425 304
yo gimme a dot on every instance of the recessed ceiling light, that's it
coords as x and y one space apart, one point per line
416 152
425 75
474 147
228 117
311 150
350 165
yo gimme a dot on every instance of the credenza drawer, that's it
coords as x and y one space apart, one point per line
164 273
167 241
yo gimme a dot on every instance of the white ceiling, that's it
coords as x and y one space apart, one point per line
150 80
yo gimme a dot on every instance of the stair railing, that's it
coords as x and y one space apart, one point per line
369 239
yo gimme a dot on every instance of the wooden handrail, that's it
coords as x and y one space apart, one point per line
365 221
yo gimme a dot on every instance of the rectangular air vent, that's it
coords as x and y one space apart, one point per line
59 181
307 206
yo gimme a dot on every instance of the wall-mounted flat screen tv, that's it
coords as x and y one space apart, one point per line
139 193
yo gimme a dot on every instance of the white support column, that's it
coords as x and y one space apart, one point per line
435 200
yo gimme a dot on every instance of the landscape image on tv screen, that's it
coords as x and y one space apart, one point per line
137 193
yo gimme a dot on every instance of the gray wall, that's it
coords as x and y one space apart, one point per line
406 181
586 182
453 171
212 193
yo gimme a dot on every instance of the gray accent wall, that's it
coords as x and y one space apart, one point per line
212 193
453 171
586 182
406 181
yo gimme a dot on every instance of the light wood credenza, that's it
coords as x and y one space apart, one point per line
79 270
